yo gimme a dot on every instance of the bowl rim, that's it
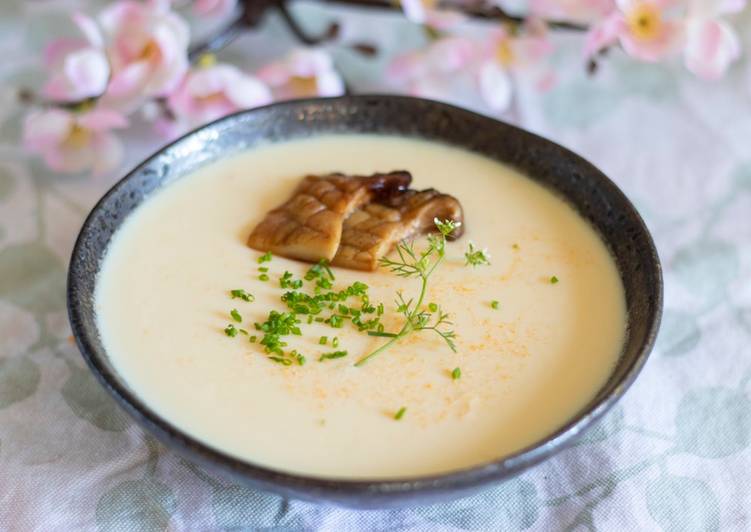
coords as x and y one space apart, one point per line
343 489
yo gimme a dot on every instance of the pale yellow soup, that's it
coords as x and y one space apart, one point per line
526 367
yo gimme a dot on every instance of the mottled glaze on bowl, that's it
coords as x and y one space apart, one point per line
584 187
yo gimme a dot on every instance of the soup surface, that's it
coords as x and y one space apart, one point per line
527 366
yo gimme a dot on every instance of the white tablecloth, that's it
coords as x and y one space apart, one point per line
673 455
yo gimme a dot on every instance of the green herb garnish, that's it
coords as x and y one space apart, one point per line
410 263
230 331
236 315
277 325
456 374
263 277
335 342
553 280
332 355
263 269
400 413
239 293
266 257
475 256
323 340
286 281
494 304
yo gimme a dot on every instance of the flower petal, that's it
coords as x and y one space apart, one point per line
58 49
101 119
88 27
603 34
109 153
330 84
87 72
441 19
711 46
214 8
247 91
43 129
495 86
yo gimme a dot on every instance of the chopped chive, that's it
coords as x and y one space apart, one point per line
230 331
310 319
243 331
456 374
400 413
432 307
337 322
263 269
330 356
242 294
263 277
253 338
323 340
553 280
335 342
494 304
301 360
266 257
379 310
236 315
282 361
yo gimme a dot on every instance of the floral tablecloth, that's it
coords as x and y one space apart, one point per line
673 455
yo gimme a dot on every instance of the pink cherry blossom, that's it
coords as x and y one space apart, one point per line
78 66
210 92
425 12
214 8
303 73
448 70
71 143
711 43
147 45
522 56
643 27
583 11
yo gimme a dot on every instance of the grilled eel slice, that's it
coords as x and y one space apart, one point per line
374 228
309 225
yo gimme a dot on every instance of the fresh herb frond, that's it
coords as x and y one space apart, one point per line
410 264
475 256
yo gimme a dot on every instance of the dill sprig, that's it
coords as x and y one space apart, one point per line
411 263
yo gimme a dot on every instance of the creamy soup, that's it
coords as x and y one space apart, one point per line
528 363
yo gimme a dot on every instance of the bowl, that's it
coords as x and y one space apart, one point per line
569 176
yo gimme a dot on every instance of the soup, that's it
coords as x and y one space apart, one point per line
538 331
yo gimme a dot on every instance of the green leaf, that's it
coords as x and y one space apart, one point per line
237 508
713 422
88 400
32 277
513 505
679 333
19 379
706 268
683 504
145 505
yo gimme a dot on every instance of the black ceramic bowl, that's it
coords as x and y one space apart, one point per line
592 194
